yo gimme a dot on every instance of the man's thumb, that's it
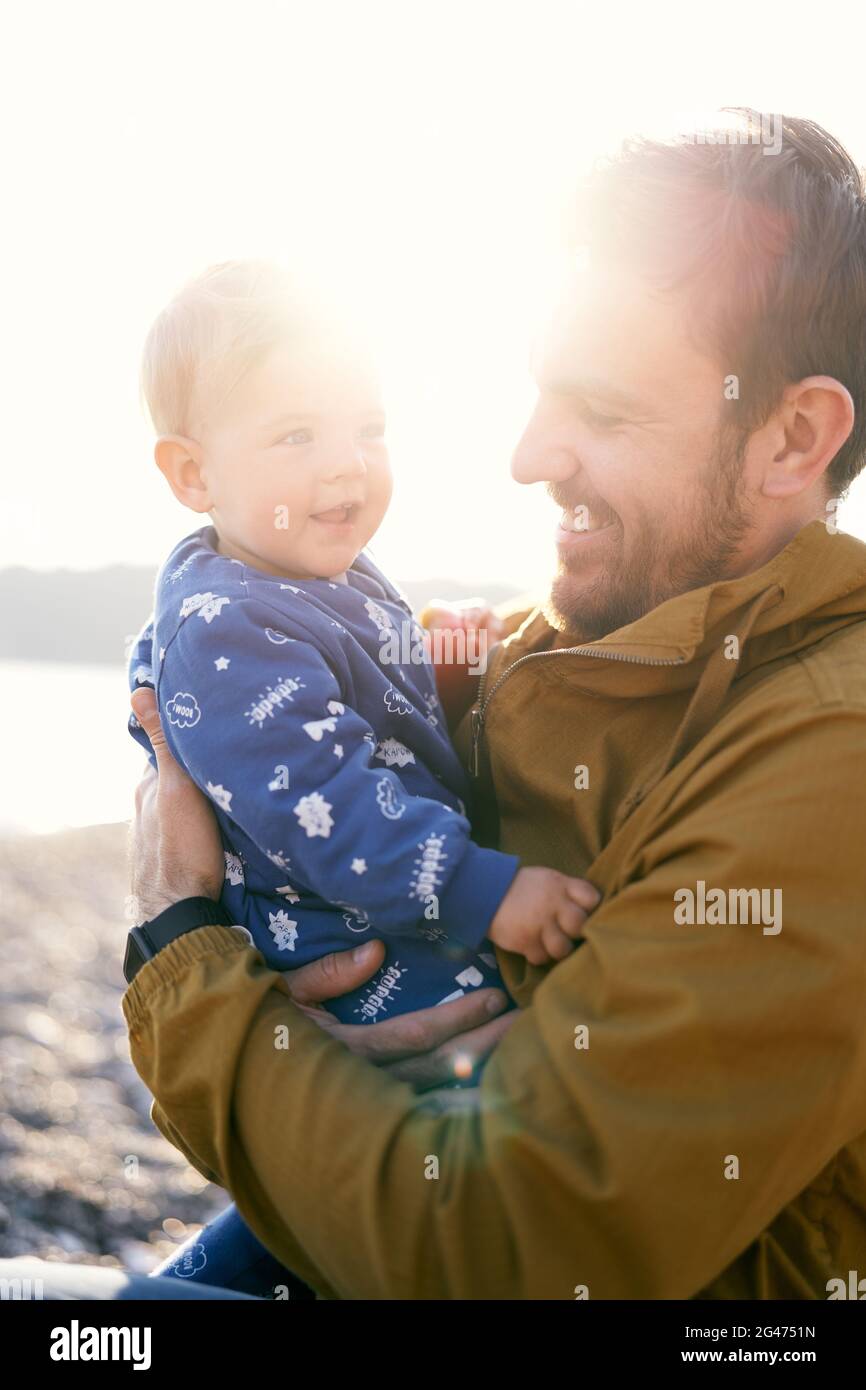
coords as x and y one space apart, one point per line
337 973
145 709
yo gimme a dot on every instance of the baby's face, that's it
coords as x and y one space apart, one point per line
295 465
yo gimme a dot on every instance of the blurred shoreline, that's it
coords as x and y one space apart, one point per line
84 1174
66 754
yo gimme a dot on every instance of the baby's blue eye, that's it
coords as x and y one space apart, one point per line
299 437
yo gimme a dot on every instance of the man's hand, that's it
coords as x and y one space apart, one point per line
176 852
175 846
430 1047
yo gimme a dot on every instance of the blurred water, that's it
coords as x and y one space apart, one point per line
66 758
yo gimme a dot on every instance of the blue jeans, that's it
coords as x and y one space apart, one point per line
228 1255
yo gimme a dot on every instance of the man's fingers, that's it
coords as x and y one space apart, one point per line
424 1030
176 849
456 1059
337 973
145 709
429 1047
172 777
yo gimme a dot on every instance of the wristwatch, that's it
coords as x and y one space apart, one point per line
145 940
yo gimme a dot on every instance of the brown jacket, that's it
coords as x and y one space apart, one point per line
680 1110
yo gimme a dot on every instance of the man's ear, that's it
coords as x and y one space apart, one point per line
179 459
816 418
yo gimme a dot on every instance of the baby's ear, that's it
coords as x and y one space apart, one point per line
179 461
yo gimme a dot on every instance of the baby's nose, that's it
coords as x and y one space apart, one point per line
347 463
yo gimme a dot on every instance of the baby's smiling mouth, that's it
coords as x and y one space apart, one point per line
336 516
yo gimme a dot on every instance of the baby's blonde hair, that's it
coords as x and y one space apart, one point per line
218 326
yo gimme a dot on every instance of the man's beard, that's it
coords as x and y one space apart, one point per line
658 568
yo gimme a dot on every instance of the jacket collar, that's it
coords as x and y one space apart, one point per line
814 586
818 575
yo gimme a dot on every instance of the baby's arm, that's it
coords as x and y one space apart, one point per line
542 914
261 723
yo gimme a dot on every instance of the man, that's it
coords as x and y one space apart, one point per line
679 1107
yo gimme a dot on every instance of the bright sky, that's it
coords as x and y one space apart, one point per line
419 154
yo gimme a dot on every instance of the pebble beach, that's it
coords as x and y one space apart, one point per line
84 1174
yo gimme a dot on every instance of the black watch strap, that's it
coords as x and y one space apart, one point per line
145 940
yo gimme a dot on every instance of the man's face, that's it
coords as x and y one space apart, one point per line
629 433
295 464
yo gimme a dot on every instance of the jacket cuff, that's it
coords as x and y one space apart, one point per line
473 893
168 964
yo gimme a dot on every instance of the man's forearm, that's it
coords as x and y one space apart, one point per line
324 1154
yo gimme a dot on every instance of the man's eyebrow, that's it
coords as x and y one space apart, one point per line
595 387
552 374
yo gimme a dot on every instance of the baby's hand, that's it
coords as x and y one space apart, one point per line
465 613
542 914
459 635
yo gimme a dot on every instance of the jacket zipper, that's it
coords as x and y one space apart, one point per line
480 711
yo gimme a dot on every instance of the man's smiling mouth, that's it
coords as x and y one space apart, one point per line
583 529
582 519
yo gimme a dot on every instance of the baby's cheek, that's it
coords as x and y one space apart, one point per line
278 511
380 497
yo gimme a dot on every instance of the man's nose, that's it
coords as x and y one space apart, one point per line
540 457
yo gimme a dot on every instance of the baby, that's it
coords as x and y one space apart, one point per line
319 738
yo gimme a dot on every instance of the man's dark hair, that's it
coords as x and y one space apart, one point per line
769 245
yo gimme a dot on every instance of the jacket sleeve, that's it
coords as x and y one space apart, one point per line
259 721
670 1090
